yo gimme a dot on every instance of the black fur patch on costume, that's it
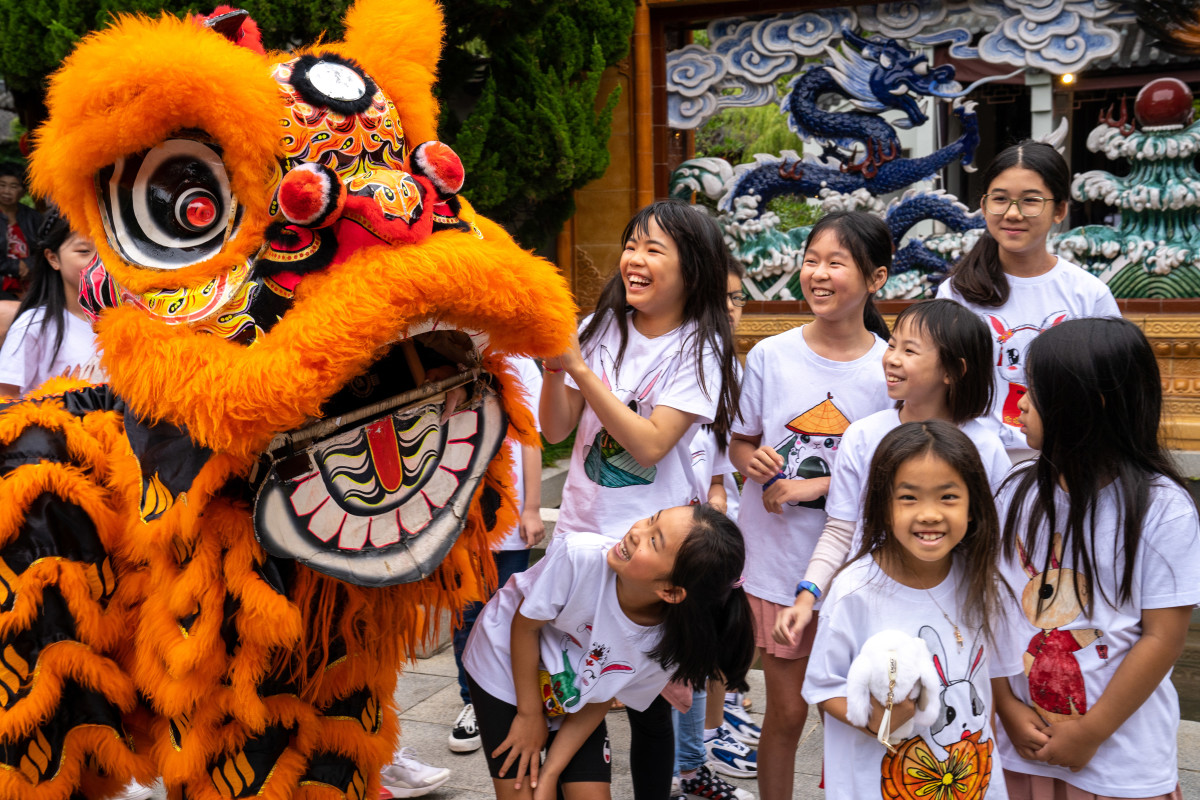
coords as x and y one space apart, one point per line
34 445
316 97
337 771
244 774
361 706
489 504
42 750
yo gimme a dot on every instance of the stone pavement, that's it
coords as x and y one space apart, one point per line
427 695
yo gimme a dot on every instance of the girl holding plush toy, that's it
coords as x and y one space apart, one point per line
1102 546
923 583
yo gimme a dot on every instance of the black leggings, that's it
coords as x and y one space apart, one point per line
652 750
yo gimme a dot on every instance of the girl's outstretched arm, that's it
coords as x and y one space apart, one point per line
528 733
647 440
559 406
575 730
1073 742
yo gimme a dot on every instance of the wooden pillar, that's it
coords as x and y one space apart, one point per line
643 115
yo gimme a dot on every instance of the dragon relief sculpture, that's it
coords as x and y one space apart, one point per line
861 158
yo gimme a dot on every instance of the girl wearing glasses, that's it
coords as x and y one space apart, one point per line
1013 282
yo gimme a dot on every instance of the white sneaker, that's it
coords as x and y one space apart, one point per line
135 791
407 776
464 737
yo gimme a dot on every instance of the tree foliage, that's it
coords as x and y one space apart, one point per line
519 81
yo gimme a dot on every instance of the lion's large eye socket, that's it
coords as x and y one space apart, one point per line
170 206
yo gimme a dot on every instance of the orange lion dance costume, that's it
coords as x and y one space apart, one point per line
212 567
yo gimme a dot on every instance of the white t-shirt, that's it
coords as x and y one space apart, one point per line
531 380
1073 666
25 358
708 461
1034 304
848 488
606 489
591 649
800 404
862 602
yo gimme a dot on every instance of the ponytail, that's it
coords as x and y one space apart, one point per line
710 633
979 277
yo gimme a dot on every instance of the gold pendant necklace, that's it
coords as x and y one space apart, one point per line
957 634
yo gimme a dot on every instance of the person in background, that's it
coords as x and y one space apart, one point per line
511 555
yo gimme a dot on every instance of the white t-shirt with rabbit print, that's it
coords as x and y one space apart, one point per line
959 748
801 404
1034 304
1070 657
607 490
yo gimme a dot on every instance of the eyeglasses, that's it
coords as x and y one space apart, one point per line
999 204
738 299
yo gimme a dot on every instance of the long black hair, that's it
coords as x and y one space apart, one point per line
46 288
710 633
703 263
870 243
979 277
980 546
964 352
1095 384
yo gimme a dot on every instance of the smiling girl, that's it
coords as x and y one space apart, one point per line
51 335
1012 281
594 620
926 568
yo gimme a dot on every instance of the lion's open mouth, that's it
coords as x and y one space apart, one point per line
377 491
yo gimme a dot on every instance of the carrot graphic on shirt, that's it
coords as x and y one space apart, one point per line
815 436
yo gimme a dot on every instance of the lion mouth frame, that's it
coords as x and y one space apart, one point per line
378 495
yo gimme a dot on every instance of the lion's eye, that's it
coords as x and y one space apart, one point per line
170 206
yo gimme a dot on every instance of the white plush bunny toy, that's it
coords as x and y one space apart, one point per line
892 667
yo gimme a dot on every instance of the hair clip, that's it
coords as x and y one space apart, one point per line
49 220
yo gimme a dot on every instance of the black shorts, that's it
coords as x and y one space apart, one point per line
591 764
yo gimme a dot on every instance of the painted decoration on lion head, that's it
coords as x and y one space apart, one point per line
212 566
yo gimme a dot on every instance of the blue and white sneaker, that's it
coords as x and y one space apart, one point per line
741 725
728 756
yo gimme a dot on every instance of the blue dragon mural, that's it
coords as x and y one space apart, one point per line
861 156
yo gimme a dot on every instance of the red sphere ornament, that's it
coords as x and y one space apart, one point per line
200 212
1163 102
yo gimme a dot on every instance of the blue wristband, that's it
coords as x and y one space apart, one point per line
767 485
808 586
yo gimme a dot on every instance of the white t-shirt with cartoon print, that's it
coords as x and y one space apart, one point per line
1065 292
862 602
848 488
800 404
531 381
607 490
592 651
1070 657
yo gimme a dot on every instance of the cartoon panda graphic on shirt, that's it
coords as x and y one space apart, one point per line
606 462
813 440
1012 343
